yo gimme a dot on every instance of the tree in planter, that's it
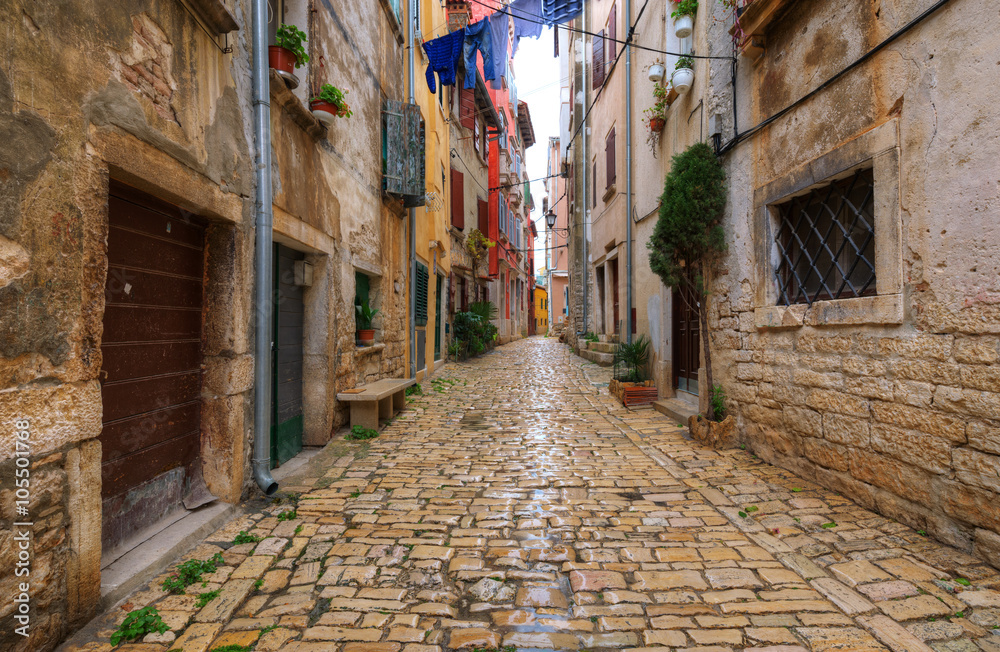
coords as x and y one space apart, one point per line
478 247
688 239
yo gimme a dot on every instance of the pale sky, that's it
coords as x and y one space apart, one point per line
537 74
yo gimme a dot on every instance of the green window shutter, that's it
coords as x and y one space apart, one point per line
403 152
421 299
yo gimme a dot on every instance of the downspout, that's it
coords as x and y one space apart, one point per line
586 175
628 178
412 211
263 247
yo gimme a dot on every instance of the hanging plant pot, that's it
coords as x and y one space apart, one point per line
657 123
656 72
682 80
325 112
366 336
683 26
283 61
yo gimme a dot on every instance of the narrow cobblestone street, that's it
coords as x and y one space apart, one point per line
515 503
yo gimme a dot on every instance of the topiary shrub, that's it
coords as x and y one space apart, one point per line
689 240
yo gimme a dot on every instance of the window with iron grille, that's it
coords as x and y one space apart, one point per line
826 242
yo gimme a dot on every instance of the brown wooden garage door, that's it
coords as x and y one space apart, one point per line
151 377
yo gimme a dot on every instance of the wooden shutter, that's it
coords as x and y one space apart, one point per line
594 201
555 35
609 152
598 59
420 301
613 32
467 107
457 199
484 218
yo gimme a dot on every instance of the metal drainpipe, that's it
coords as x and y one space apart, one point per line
412 211
586 176
628 178
263 247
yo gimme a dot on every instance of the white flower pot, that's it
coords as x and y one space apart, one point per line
683 26
682 80
656 73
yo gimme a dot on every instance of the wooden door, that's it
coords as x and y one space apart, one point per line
151 371
614 294
286 380
686 349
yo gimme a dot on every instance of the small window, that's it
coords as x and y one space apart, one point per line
476 137
420 301
826 242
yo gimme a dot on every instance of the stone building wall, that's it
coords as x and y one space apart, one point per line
892 399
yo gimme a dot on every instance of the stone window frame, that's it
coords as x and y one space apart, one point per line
877 149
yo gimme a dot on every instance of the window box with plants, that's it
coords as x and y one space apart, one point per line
683 15
330 104
683 75
288 53
365 315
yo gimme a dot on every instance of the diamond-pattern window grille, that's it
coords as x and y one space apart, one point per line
826 242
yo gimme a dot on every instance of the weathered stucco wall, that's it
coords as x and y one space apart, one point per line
894 401
89 92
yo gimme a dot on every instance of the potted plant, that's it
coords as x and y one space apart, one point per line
288 52
683 16
683 75
629 383
365 316
330 104
657 72
655 118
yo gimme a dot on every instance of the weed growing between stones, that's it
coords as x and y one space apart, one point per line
288 515
245 537
190 572
360 432
206 597
137 624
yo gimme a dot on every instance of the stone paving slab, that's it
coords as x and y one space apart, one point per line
515 503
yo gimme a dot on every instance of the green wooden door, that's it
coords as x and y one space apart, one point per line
286 368
437 319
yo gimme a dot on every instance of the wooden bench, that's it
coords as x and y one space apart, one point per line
376 401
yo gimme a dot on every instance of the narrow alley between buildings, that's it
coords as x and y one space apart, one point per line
515 504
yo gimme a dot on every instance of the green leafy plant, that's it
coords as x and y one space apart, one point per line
259 583
190 572
591 337
478 246
335 96
414 389
232 648
288 515
206 597
137 624
718 400
630 360
365 315
655 113
828 526
963 581
292 38
360 432
685 8
245 537
684 62
689 239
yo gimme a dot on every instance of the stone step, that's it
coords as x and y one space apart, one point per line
677 409
597 357
603 347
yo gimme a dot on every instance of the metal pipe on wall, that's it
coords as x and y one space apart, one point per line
628 178
410 64
586 174
264 253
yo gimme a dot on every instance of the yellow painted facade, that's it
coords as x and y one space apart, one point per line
541 310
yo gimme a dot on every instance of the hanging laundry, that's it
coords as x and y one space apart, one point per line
442 57
527 16
500 35
478 38
560 11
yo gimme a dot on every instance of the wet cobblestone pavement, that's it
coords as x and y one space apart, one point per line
517 504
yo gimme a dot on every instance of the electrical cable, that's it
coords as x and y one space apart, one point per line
631 33
514 185
741 136
527 17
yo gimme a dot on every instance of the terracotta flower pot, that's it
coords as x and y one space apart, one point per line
281 59
366 336
657 123
324 111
